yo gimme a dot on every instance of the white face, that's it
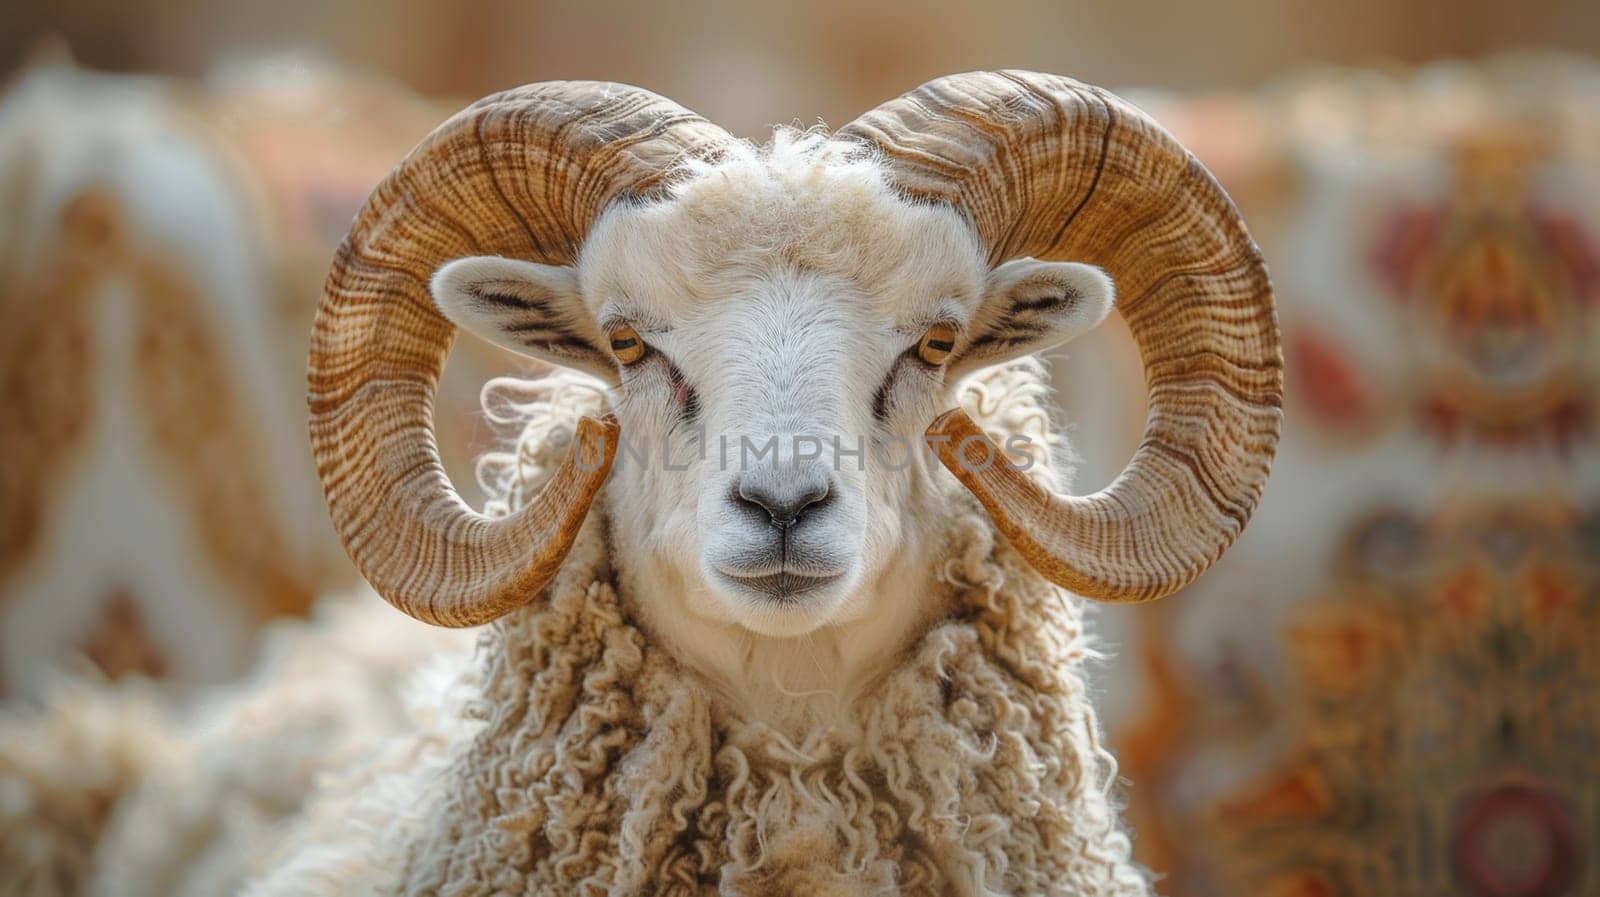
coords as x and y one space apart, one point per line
772 465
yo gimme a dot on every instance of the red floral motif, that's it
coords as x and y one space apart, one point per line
1497 291
1328 381
1515 840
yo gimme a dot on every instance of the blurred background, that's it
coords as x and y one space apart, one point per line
1389 687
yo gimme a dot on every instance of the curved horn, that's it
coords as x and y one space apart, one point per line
1051 168
522 173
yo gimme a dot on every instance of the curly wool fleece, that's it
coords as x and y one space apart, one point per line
595 764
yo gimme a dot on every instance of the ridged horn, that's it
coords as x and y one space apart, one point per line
522 174
1051 168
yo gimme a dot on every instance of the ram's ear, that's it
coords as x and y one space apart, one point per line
529 308
1029 306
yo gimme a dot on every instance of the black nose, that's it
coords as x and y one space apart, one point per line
782 499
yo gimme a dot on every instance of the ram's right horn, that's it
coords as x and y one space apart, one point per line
522 174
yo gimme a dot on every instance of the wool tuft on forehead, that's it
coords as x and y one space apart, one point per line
802 201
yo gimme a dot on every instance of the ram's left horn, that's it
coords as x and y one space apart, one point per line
1061 171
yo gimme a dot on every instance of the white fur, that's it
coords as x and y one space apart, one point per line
121 790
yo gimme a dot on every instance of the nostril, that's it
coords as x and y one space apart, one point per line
783 502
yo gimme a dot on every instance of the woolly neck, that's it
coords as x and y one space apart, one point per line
972 765
584 759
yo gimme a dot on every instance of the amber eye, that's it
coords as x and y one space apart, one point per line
626 344
937 343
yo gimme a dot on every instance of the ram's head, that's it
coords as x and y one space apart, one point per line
781 326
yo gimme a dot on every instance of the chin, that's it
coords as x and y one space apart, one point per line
784 605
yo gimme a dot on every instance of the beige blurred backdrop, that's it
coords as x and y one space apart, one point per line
749 65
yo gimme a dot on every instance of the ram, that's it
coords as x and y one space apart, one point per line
789 673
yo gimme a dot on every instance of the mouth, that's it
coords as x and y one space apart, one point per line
781 587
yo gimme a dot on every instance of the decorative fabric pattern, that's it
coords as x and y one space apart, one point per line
1388 688
162 247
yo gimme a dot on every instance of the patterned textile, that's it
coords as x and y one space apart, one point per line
162 249
1389 687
